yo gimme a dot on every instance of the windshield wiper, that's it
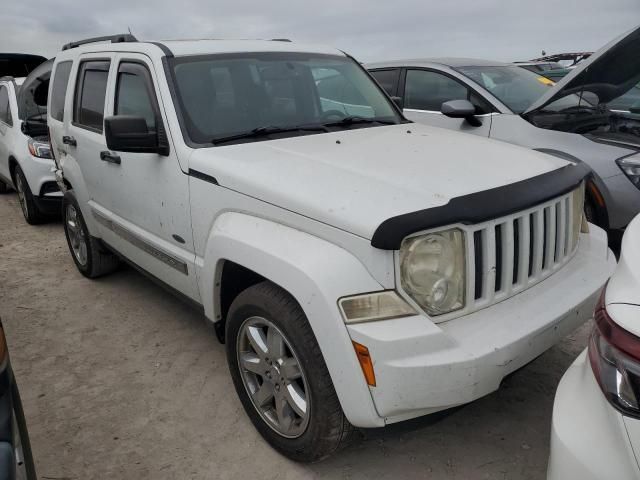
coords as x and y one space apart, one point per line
354 120
266 131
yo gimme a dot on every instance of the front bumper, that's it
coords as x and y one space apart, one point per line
422 367
588 436
38 172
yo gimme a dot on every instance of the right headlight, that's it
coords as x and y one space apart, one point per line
432 269
631 168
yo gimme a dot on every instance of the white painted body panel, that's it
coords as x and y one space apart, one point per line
372 174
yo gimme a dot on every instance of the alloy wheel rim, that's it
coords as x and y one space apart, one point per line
21 196
273 377
77 238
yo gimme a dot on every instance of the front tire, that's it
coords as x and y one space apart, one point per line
90 257
30 210
281 377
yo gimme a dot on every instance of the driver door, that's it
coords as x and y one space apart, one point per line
149 211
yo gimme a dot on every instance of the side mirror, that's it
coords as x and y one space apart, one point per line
461 109
398 101
128 133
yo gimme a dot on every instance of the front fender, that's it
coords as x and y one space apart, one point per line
316 273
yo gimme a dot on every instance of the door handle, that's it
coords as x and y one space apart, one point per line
69 141
110 157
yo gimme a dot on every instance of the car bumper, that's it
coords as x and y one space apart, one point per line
589 440
422 367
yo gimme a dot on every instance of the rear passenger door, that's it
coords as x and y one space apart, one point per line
424 92
149 218
82 138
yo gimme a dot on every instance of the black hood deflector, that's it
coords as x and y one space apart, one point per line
482 206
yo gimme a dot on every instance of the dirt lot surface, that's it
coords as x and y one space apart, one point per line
122 381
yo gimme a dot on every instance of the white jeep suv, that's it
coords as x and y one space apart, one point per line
26 164
361 269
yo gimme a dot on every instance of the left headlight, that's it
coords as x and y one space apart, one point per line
39 148
631 168
432 269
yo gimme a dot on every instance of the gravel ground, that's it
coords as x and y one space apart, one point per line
120 380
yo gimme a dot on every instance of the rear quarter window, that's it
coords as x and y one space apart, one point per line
59 89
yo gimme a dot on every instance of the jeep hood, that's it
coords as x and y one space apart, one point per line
610 73
356 179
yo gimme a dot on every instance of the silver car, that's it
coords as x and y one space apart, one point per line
572 119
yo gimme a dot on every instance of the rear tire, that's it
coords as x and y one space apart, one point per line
90 257
4 188
30 210
311 425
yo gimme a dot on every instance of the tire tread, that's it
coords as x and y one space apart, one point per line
340 432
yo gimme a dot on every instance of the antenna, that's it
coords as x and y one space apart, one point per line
129 28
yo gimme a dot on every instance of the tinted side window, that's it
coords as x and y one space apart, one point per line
429 90
59 89
135 94
388 79
90 95
5 110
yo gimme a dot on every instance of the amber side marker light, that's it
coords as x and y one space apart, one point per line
366 364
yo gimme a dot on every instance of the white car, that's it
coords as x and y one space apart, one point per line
26 164
596 416
361 269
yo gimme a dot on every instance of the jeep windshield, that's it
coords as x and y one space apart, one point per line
246 97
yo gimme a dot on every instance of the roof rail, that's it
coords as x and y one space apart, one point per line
280 40
119 38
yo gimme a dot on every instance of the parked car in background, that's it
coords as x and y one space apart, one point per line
571 119
539 67
26 162
552 71
16 459
362 270
596 416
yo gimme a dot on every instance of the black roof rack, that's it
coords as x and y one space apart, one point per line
120 38
280 40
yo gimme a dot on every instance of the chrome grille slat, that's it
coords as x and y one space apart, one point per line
550 241
525 251
507 255
489 263
538 242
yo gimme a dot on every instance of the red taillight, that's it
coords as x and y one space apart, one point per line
614 333
614 354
